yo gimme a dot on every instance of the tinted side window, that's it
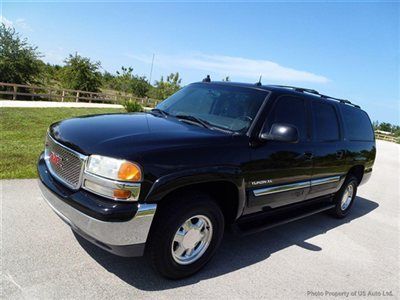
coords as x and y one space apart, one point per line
358 125
290 110
325 122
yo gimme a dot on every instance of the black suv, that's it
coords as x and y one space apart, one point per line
169 181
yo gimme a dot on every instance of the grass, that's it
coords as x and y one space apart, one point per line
22 133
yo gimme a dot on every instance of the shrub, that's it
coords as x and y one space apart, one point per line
132 106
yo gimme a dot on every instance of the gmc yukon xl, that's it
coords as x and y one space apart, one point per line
168 182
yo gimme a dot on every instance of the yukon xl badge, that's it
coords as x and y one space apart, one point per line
260 182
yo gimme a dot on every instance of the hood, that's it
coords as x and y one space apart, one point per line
119 135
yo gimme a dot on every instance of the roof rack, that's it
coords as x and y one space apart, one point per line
314 92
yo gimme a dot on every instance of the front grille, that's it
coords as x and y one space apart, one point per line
64 164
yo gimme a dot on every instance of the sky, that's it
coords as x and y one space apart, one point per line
346 50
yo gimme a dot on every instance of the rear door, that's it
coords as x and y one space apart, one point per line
280 172
329 162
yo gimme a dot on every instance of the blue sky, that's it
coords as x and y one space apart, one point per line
348 50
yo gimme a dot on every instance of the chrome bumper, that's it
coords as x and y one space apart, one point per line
112 234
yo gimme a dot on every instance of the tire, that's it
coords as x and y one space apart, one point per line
343 203
175 247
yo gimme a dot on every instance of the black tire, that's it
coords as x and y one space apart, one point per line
172 214
340 211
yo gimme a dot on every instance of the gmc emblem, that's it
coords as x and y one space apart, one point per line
55 159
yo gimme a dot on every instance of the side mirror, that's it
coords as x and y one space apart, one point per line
281 132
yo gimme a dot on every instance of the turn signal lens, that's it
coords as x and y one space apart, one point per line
129 172
122 194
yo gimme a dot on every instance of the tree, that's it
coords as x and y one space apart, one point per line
385 127
164 89
50 74
80 73
126 82
19 61
140 86
108 80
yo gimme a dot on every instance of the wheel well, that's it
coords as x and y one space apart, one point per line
357 171
225 193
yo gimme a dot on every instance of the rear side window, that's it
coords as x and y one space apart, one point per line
357 123
290 110
325 122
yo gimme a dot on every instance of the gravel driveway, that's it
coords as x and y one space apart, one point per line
317 257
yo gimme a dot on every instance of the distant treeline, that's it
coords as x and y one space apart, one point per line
384 126
20 62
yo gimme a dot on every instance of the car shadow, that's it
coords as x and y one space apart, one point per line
235 253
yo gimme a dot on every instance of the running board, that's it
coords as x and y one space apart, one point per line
267 222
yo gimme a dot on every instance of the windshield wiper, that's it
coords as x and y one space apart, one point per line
160 111
195 119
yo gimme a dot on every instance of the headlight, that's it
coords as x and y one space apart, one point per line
112 168
112 178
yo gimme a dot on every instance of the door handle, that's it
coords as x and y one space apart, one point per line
339 154
308 155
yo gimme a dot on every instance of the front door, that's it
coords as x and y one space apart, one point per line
280 172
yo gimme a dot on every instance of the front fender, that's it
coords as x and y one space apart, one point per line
168 183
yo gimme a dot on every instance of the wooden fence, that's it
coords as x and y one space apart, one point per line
385 137
31 92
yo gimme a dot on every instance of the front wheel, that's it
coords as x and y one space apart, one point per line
344 198
186 234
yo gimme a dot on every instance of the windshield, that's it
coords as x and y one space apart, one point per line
228 107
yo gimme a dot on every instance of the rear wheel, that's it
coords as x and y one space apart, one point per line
344 198
186 234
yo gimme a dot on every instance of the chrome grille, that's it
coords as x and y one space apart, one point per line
63 163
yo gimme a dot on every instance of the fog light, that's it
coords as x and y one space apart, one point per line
108 192
98 189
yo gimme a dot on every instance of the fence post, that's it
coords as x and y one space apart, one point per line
77 97
33 96
15 92
62 96
49 94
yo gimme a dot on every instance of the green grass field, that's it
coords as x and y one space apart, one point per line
22 133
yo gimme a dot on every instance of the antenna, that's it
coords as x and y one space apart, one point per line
259 81
151 69
207 79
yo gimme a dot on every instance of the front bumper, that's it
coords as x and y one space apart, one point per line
124 238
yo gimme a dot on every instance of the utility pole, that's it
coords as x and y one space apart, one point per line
151 69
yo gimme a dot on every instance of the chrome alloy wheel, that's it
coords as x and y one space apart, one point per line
347 197
192 239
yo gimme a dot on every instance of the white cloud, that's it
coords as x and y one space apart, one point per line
6 22
19 23
233 66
